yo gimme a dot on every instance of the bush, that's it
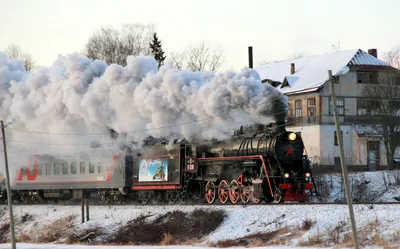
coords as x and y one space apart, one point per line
169 228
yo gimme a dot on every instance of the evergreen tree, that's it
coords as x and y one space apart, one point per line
157 51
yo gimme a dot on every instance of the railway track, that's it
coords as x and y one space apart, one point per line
92 204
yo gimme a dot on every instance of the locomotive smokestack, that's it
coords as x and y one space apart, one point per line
250 57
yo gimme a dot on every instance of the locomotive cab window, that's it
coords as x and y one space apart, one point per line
91 168
56 169
82 168
73 168
65 168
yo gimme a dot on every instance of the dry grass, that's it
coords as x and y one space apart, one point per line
4 231
191 241
24 237
256 243
252 240
56 230
167 240
313 240
83 236
171 227
307 224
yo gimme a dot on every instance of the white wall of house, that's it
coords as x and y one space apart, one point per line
330 150
311 139
361 151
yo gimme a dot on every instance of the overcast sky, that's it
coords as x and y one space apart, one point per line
276 29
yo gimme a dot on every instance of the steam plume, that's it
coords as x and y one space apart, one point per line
79 96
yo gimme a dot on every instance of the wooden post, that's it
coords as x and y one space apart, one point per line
87 210
344 167
83 210
9 195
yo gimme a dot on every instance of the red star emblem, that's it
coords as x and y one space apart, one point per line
289 151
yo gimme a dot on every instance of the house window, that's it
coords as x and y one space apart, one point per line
298 108
339 106
367 107
336 79
290 110
372 145
311 107
367 77
336 142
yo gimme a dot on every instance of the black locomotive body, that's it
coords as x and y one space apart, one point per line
266 165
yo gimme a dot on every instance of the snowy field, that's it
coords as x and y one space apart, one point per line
294 226
372 220
47 246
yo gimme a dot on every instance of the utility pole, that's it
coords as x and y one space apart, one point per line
344 167
9 197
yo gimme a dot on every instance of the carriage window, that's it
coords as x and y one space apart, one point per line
48 169
91 168
40 169
65 168
56 169
73 168
99 169
82 168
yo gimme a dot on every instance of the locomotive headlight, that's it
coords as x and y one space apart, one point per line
292 136
286 175
308 174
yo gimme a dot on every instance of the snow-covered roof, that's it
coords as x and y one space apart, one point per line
366 130
312 72
371 130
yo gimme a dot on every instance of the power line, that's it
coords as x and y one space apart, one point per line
183 134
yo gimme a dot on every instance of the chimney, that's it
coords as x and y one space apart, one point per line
373 52
250 57
292 68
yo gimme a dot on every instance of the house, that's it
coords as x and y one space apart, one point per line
304 82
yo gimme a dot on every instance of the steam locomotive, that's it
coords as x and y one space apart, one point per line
269 164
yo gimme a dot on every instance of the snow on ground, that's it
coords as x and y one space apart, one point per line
240 221
378 186
381 220
52 246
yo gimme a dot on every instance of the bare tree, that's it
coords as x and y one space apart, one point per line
383 100
13 51
393 57
199 57
296 56
113 46
177 60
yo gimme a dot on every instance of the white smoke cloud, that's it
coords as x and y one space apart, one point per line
81 98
